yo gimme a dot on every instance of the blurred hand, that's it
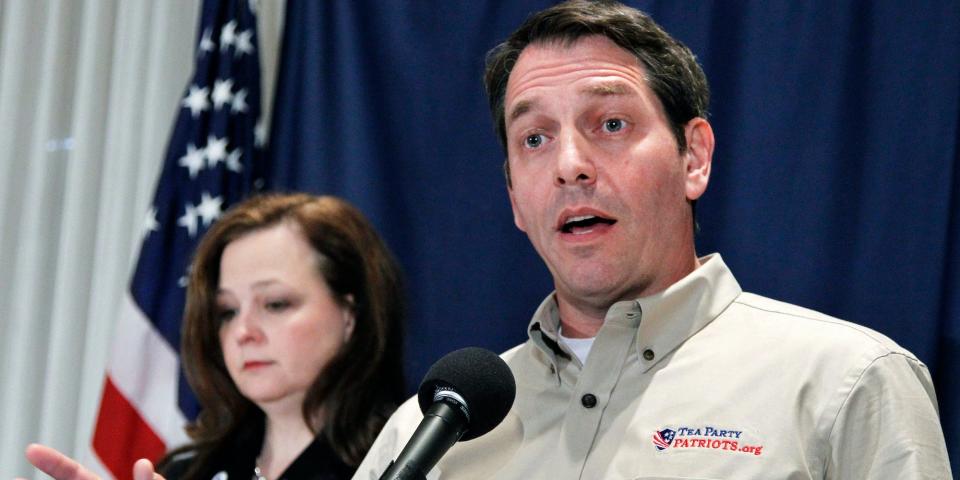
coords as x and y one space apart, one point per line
62 467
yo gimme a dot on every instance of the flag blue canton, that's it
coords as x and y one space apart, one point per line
214 159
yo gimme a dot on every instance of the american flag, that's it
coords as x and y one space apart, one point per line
214 158
663 438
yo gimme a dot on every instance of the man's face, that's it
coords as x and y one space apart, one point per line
598 183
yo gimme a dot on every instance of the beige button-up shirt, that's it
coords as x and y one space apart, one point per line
702 381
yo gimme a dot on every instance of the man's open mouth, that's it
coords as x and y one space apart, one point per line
584 223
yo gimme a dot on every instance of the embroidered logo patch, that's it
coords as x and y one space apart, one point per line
662 438
706 437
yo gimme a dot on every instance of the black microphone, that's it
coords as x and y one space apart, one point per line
464 395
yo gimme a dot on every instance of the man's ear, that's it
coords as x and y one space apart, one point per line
698 157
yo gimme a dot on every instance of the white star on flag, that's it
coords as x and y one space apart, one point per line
206 42
184 280
233 161
150 223
146 400
196 100
239 102
189 219
193 160
222 92
228 35
209 208
244 44
260 133
216 150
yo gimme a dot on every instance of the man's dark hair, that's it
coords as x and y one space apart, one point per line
672 71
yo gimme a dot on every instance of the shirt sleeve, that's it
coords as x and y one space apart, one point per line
888 426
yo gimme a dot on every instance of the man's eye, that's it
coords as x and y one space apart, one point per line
613 125
533 141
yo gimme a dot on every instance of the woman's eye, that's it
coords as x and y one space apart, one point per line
533 141
277 305
613 125
225 314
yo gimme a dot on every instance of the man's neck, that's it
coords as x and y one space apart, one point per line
581 318
579 322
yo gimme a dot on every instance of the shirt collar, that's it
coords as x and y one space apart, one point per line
684 308
544 329
666 319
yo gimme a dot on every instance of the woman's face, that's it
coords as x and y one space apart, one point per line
279 323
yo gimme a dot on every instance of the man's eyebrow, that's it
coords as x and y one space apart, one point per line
599 89
523 106
608 88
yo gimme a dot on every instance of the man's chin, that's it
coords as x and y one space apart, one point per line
599 289
596 294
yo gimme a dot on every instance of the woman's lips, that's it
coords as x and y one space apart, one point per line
255 364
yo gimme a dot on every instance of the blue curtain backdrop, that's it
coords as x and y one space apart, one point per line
836 180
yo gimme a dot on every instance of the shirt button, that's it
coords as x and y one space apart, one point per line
588 400
648 355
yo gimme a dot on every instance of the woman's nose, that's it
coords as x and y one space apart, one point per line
248 328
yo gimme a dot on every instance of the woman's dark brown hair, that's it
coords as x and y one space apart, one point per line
360 386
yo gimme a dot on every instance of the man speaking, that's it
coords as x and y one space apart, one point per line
648 361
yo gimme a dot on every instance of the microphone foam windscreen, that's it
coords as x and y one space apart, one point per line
484 381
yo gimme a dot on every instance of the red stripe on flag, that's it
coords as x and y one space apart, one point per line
122 436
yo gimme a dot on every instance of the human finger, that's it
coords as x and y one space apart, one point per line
143 470
56 464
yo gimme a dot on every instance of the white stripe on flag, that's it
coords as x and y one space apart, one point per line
146 370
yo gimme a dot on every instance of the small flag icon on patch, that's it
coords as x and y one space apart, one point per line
663 438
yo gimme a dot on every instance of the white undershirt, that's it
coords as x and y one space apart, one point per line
579 346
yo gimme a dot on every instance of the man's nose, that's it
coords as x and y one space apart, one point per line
575 166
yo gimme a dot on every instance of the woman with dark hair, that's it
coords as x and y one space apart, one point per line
292 342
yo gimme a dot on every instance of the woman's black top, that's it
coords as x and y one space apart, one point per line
237 458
